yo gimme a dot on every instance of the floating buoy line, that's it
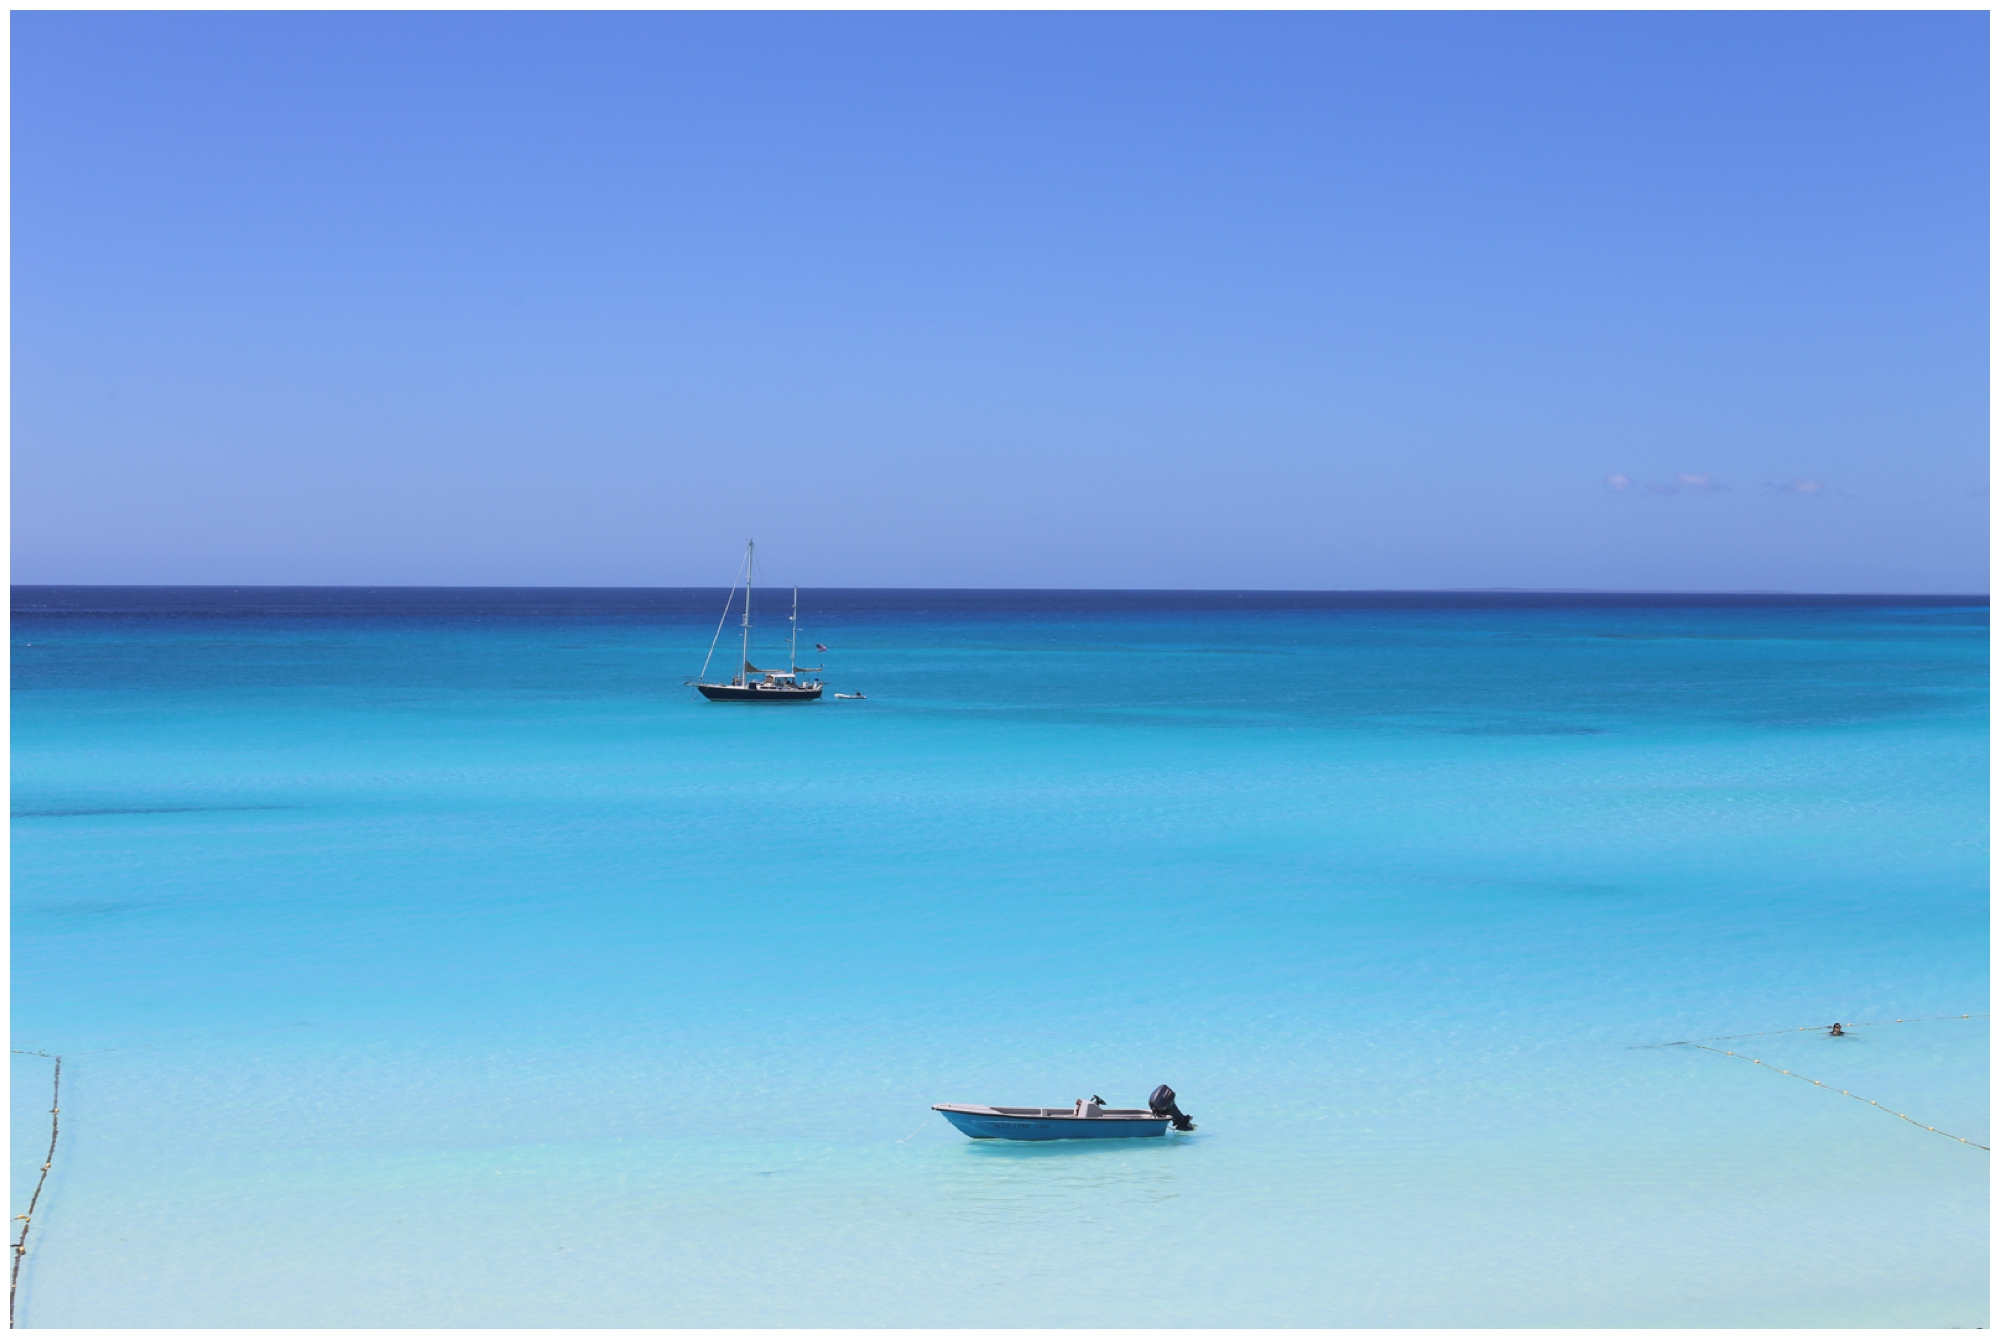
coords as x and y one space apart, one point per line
27 1220
1832 1030
1837 1029
1843 1092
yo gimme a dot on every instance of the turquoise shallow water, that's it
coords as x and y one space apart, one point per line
436 958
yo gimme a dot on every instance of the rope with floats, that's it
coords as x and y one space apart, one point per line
1842 1091
1833 1029
27 1220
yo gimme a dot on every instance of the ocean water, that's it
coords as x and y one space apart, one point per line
438 958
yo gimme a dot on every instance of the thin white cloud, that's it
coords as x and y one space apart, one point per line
1800 488
1680 483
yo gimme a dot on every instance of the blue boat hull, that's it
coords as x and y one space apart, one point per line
1053 1127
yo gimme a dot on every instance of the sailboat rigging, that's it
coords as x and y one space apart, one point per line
750 683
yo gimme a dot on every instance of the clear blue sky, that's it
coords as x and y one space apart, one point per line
1689 301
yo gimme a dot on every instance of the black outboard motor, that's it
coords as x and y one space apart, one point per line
1161 1103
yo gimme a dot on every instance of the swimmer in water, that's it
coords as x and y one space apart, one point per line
1836 1032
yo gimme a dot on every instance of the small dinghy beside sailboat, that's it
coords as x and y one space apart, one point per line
1085 1119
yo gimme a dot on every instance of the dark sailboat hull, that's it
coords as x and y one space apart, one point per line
731 692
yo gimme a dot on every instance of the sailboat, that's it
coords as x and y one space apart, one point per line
750 683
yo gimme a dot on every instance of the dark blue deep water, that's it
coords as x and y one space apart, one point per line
436 957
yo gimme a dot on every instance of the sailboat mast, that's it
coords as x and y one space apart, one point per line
749 579
795 629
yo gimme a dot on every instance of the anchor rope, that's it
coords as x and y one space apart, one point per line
1842 1091
27 1220
919 1130
1821 1027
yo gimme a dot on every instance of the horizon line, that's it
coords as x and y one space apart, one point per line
1161 590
